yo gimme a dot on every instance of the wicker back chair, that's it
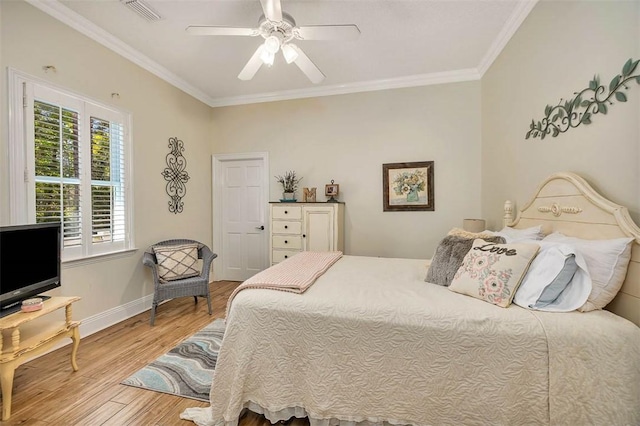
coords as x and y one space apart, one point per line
194 286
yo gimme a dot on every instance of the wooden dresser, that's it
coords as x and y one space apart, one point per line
297 227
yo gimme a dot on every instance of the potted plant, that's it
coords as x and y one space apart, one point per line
289 184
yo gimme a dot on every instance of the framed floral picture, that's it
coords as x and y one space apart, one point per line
408 186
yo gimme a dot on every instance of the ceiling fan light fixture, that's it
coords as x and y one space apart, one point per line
278 29
267 57
272 44
290 53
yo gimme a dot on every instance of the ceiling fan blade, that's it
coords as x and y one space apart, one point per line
327 32
221 31
307 66
252 66
272 10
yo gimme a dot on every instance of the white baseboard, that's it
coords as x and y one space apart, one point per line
105 319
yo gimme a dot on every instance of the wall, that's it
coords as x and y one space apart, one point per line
347 138
31 39
556 51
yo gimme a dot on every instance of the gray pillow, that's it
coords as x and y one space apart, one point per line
559 283
449 256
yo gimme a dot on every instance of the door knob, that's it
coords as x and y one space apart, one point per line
261 227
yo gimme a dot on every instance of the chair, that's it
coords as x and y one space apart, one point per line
194 286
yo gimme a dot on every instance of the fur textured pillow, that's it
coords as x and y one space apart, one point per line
449 256
473 235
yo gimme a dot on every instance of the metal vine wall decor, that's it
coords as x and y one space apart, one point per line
176 175
592 100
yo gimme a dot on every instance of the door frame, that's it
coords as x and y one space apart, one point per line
217 161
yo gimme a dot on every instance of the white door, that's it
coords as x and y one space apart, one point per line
318 228
240 199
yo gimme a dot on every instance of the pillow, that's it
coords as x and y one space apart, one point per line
177 262
607 262
472 235
492 272
448 258
513 235
557 280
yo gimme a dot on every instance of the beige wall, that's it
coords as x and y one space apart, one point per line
474 132
347 138
556 51
31 39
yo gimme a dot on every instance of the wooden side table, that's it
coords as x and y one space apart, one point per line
27 342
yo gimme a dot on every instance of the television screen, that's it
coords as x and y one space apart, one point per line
29 261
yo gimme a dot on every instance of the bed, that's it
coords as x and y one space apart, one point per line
370 342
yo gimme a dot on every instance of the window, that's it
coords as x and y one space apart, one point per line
72 168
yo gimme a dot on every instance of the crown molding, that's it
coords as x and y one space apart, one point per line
342 89
516 19
81 24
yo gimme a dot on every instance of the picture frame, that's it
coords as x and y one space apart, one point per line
331 190
408 186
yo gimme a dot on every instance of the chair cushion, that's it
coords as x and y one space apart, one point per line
177 262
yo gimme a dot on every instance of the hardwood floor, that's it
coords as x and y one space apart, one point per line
46 391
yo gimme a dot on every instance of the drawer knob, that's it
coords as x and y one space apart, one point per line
286 257
304 235
286 242
285 212
286 227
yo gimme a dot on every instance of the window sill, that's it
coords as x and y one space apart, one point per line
81 261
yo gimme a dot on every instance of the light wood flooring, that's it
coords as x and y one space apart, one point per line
47 392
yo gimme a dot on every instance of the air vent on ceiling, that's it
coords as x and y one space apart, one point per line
142 9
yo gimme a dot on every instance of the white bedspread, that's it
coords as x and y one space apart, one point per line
371 341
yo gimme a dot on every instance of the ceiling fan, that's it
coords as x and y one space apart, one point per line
278 29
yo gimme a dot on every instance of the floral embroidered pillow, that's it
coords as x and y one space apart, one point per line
492 272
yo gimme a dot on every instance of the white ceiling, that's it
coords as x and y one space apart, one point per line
402 43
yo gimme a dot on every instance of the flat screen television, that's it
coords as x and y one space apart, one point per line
30 258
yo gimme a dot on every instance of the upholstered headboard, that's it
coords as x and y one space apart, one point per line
566 203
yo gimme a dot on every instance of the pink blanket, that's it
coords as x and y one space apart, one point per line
294 275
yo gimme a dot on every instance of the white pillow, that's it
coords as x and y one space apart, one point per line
557 280
513 235
607 262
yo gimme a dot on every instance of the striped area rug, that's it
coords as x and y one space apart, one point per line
187 369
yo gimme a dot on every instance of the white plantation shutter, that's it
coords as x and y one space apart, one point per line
107 181
76 154
57 169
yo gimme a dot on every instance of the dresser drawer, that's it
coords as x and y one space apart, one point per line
293 242
287 212
280 255
287 227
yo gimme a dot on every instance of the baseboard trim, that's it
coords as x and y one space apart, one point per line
105 319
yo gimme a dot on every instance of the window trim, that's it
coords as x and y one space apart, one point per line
21 176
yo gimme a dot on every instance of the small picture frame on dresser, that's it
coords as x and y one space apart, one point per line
331 190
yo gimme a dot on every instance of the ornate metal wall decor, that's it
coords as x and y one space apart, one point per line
176 175
592 100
